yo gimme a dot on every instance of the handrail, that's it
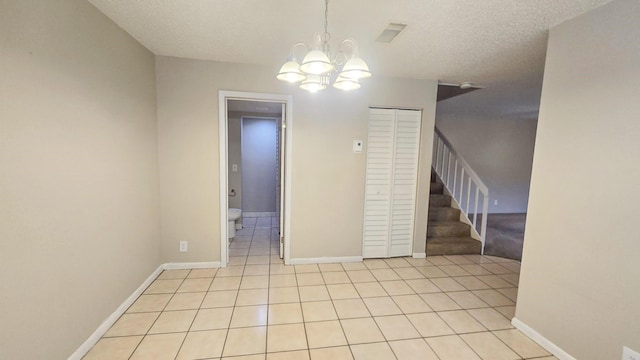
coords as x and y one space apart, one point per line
444 156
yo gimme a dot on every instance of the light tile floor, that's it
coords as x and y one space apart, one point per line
445 307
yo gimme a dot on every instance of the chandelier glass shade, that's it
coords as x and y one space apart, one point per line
346 84
319 67
313 83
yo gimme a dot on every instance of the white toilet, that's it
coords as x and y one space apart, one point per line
232 216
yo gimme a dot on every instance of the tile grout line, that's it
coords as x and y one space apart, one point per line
195 316
506 275
154 322
344 333
224 344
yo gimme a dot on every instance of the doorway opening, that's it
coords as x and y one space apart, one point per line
255 153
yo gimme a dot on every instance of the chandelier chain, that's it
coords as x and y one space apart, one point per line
326 16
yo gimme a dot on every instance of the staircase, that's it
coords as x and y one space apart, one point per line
446 234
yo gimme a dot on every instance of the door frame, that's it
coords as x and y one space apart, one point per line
287 118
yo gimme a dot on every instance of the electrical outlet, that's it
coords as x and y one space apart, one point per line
495 202
628 354
184 246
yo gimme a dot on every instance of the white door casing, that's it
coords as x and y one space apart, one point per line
287 101
281 153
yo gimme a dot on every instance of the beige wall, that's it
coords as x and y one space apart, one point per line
79 219
328 178
580 278
500 151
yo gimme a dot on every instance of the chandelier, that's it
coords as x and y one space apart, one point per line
318 66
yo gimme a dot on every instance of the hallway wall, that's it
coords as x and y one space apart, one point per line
79 199
580 273
259 164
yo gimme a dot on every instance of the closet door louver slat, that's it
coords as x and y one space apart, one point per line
377 200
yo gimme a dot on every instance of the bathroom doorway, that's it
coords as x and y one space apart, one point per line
255 144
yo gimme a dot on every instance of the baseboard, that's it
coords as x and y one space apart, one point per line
325 260
541 340
419 255
191 265
109 321
258 214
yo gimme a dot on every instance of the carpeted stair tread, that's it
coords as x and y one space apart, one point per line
448 222
450 245
436 188
439 200
447 228
438 214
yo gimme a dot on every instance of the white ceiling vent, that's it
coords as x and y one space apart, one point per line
390 33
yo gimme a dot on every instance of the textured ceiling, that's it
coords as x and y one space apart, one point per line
499 44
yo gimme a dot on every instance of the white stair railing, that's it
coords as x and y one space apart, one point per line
464 185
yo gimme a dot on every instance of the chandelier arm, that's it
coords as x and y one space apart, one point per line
292 51
352 44
317 41
347 49
340 58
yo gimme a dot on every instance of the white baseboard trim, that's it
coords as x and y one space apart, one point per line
325 260
109 321
541 340
419 255
191 265
258 214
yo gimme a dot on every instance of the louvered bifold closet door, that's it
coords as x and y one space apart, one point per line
405 174
377 200
391 180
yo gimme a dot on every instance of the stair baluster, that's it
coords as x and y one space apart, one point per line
452 171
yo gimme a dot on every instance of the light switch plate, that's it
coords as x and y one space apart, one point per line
357 146
234 167
628 354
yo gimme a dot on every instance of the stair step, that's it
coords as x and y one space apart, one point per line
436 188
439 200
447 228
443 214
446 235
453 246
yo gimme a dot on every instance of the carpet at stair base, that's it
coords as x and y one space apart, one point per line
446 234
